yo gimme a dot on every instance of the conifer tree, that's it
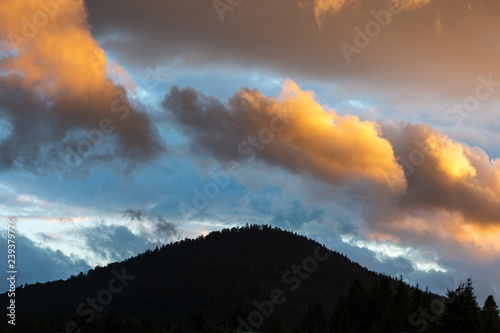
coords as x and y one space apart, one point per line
357 301
462 314
401 306
491 317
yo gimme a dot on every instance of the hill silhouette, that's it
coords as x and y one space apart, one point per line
215 273
254 277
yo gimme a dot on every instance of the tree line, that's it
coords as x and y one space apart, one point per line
379 310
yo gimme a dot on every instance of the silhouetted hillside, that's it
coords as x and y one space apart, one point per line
220 275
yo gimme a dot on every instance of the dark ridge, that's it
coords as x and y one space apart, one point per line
222 273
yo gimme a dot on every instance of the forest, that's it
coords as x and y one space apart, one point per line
233 280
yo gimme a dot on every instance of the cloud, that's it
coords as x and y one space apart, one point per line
441 265
154 225
36 263
293 131
105 244
55 92
446 174
133 214
66 220
408 65
453 191
322 8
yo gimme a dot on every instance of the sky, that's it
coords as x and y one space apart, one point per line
367 125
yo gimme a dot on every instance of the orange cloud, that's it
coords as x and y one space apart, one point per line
52 59
339 146
54 48
411 4
442 229
322 8
452 197
451 156
293 131
485 241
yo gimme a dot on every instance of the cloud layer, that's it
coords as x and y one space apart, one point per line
41 264
55 93
287 42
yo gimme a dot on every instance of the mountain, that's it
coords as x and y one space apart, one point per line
226 274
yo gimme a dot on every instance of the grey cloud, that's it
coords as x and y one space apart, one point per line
282 37
40 264
113 243
161 227
41 130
